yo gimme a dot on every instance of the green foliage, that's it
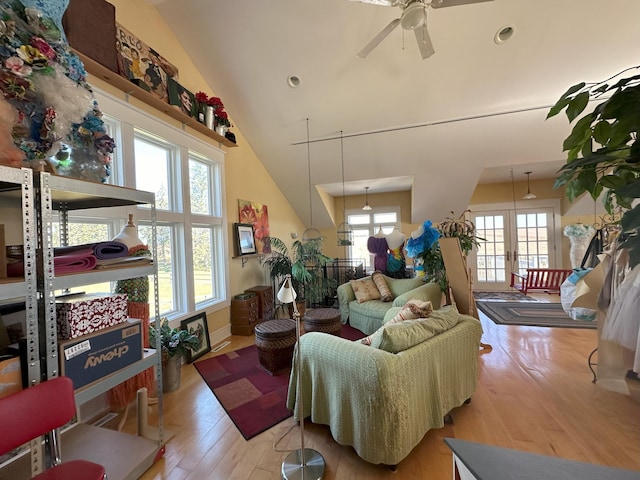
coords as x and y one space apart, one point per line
173 341
304 261
604 150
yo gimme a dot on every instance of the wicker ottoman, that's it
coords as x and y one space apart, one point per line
326 320
275 341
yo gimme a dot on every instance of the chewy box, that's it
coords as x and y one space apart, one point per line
94 356
81 314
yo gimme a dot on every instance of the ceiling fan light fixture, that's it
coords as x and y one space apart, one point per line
529 195
366 207
413 16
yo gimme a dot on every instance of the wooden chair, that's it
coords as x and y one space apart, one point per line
38 410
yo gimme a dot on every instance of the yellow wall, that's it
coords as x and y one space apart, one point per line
504 192
392 199
246 177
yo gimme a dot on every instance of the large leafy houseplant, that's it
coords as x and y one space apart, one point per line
173 341
604 150
304 261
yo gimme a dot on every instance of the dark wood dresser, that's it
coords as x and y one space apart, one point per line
265 301
245 315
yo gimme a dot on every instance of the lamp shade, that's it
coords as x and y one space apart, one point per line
287 294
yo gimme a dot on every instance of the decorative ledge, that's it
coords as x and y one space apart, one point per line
112 78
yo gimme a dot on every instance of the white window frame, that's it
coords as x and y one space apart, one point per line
126 122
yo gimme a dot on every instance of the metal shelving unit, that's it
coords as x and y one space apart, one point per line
38 195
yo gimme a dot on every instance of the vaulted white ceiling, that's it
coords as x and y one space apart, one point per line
437 127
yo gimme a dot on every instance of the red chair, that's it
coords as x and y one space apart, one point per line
36 411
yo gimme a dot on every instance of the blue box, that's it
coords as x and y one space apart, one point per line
91 357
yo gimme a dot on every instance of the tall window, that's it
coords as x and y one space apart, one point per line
186 175
366 224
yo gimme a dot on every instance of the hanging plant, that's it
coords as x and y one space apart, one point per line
604 151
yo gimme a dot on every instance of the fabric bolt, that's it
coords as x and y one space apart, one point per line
78 261
411 310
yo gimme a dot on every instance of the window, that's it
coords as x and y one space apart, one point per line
367 224
186 176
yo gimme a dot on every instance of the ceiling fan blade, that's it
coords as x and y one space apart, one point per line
378 38
384 3
424 42
454 3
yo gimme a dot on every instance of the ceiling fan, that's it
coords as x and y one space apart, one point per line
413 17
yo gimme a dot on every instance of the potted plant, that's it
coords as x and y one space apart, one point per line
461 228
304 262
604 150
174 344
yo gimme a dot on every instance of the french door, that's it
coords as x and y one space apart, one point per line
514 241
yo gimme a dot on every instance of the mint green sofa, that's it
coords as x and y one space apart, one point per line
380 403
368 316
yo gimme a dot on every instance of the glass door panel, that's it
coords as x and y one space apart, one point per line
514 241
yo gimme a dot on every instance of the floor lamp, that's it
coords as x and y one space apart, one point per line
305 463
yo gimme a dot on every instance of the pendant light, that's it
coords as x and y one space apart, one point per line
529 195
345 232
366 207
310 233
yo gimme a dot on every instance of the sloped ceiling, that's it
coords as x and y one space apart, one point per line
437 127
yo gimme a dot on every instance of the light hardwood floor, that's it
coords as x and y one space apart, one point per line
534 394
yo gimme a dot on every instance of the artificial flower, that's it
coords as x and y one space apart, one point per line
202 97
32 56
216 103
43 47
17 67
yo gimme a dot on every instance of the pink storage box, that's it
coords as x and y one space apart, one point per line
80 314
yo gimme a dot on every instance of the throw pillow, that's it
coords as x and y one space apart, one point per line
411 310
383 288
395 338
365 289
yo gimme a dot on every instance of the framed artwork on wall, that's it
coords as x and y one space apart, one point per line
197 325
256 214
245 239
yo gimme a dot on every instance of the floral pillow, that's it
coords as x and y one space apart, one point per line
381 283
365 289
411 310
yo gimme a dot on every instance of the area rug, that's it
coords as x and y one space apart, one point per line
538 314
503 297
254 400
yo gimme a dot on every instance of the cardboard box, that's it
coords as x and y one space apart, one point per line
82 314
92 357
90 27
142 65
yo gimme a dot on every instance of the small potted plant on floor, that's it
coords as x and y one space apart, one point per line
174 344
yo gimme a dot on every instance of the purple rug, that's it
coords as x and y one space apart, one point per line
254 400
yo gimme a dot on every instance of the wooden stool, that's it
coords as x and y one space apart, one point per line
275 341
326 320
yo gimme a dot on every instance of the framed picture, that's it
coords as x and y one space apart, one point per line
197 325
245 239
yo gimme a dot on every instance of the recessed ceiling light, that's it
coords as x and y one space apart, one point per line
293 81
504 34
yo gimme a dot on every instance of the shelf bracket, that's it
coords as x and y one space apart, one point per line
244 260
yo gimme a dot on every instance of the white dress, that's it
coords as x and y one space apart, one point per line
622 324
